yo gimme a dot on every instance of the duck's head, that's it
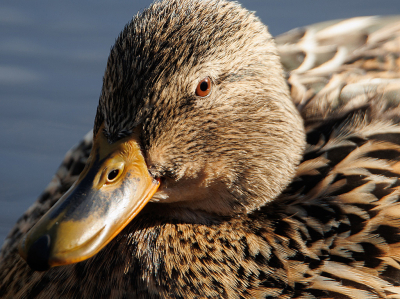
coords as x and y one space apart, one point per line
194 115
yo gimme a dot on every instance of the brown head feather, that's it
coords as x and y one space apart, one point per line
236 149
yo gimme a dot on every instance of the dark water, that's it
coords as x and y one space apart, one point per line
52 58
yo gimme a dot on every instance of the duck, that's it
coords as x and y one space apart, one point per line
224 163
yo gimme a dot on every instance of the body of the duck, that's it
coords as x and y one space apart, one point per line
242 187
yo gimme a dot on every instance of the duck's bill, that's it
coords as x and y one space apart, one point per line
112 189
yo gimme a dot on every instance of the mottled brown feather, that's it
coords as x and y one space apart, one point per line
334 232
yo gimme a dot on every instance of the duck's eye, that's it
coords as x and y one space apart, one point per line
112 175
203 89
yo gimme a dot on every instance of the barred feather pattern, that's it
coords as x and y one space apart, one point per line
333 233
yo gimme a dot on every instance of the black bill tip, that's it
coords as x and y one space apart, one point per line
38 254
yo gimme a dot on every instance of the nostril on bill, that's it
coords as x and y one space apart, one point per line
112 175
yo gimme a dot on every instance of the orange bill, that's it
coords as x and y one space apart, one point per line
112 189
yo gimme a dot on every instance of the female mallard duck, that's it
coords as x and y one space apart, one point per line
193 187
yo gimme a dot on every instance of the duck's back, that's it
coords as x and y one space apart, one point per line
345 79
339 220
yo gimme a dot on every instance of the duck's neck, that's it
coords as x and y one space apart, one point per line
174 258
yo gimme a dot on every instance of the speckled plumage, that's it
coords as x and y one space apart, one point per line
332 233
